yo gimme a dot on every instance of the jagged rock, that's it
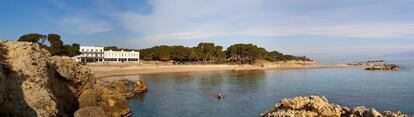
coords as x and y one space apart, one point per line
139 86
307 106
91 111
358 111
33 83
121 86
103 95
88 97
394 114
112 102
313 106
372 113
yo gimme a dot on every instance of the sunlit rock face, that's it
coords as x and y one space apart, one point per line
34 83
319 106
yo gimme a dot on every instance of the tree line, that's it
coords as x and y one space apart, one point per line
211 53
56 45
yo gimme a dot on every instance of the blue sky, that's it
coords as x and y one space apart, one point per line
303 27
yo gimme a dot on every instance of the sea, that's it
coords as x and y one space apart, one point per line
250 93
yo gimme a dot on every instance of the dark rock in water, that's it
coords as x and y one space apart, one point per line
91 111
383 67
318 106
220 96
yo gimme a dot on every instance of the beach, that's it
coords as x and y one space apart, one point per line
121 69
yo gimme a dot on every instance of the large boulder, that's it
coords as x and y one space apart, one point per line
27 81
305 106
121 86
34 83
102 95
315 106
139 87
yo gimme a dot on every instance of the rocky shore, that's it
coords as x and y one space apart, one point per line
319 106
34 83
383 67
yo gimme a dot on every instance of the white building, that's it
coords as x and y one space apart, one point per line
97 54
121 56
90 54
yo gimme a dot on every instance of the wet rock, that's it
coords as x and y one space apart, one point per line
139 87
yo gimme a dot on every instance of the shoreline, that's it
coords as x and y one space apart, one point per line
108 70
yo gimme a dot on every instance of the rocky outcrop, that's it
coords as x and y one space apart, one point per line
312 106
91 111
101 94
34 83
383 67
121 86
139 87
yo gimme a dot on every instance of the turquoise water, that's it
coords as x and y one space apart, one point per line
249 93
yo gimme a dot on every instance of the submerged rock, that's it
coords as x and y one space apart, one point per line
312 106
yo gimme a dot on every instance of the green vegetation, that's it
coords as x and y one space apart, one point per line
211 53
56 47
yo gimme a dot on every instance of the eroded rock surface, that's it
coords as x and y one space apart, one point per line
139 87
316 106
34 83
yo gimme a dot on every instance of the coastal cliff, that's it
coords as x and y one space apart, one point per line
319 106
34 83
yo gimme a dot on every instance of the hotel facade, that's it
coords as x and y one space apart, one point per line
97 54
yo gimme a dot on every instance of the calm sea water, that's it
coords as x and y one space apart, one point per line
249 93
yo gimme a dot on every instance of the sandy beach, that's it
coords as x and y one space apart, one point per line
106 70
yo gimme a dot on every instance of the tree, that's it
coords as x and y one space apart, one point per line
114 48
71 50
56 45
32 37
205 51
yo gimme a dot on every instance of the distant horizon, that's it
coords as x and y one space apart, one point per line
328 29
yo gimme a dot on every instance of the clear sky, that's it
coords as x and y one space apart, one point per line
304 27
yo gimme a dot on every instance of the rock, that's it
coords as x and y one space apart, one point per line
372 113
359 111
121 86
306 106
312 106
33 83
113 102
88 97
91 111
394 114
383 67
103 95
139 87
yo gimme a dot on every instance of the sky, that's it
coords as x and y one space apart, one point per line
315 28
